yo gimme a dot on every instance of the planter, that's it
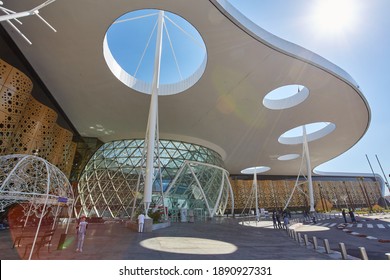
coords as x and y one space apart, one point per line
161 225
134 226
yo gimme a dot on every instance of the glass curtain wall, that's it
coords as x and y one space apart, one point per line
200 188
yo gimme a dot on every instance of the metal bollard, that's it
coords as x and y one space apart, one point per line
388 256
326 245
343 251
363 253
315 244
306 239
299 237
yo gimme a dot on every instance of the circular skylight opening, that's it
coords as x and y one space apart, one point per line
256 169
289 157
314 131
131 50
285 97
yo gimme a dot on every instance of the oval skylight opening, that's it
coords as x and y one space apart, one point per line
129 48
256 169
285 97
289 157
314 131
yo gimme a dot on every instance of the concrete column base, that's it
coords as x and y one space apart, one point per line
148 225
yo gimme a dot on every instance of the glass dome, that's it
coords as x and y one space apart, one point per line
108 186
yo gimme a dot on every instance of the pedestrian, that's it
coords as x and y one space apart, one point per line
285 221
81 232
352 215
141 220
344 215
313 218
278 220
274 219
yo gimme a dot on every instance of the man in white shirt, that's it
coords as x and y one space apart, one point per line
141 220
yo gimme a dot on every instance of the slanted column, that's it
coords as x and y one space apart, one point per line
153 117
256 199
308 167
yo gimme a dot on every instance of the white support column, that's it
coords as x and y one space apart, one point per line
308 167
217 203
230 190
152 121
255 186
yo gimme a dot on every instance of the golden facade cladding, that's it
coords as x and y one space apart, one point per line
27 126
274 194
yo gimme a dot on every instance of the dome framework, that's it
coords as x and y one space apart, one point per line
38 186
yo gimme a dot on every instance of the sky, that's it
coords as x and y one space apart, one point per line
354 35
137 56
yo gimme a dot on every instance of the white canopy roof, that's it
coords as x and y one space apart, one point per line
223 111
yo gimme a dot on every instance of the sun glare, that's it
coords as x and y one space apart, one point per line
334 16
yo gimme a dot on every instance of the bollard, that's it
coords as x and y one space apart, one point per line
388 256
299 237
363 253
326 245
306 239
343 251
315 244
296 236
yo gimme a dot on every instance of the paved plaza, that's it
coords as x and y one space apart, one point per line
184 241
228 239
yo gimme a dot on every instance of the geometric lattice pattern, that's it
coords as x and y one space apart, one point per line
341 192
33 182
15 93
108 184
29 127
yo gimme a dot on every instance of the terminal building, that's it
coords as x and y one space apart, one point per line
236 98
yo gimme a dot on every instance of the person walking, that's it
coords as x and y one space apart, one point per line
344 215
278 220
81 232
274 219
352 215
141 220
285 221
